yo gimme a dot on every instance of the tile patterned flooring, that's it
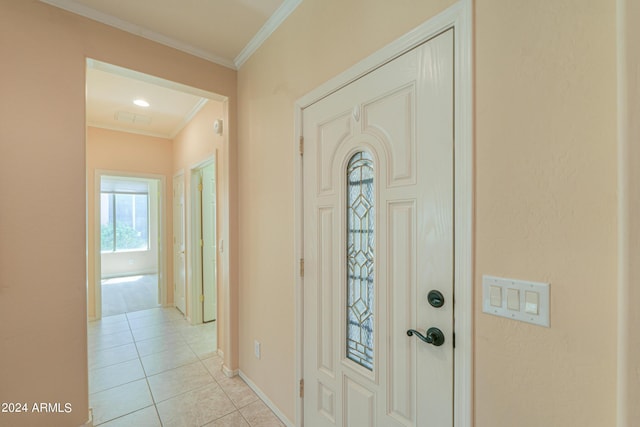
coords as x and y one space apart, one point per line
150 368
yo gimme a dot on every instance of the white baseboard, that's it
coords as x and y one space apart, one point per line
89 422
230 373
266 400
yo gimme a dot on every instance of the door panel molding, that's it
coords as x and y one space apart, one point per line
458 17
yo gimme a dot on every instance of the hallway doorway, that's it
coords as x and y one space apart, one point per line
129 232
204 208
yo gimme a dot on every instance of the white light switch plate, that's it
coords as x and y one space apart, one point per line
524 289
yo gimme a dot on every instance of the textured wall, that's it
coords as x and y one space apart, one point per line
43 278
546 208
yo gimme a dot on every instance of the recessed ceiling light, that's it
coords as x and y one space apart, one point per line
141 103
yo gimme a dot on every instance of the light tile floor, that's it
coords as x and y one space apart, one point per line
151 368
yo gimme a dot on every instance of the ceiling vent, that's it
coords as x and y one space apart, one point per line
127 117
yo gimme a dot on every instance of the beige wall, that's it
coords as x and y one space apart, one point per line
128 153
545 191
197 143
43 310
546 208
319 40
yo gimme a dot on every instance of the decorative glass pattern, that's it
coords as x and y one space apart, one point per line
360 246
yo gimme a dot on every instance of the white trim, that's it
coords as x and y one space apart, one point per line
459 17
278 413
89 422
628 64
278 17
104 18
186 119
623 219
179 175
298 250
133 131
194 274
224 271
229 373
147 78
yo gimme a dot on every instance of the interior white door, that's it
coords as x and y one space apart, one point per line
209 288
378 237
179 263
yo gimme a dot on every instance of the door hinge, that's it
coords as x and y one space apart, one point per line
301 267
301 388
201 243
301 148
200 187
453 336
201 298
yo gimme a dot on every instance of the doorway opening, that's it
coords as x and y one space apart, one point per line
157 144
130 250
204 241
345 399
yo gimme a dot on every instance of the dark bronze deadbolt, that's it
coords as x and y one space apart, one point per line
435 298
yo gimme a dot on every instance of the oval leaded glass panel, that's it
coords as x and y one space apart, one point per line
360 246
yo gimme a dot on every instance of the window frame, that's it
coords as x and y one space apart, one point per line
113 209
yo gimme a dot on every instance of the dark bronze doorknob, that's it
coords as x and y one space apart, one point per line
433 336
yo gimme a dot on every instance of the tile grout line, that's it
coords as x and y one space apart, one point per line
146 378
188 336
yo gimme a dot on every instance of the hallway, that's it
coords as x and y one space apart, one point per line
151 368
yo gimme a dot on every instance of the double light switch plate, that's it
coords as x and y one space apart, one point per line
516 299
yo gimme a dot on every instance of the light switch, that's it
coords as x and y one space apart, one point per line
531 302
526 301
496 296
513 299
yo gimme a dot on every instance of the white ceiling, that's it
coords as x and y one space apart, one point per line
222 31
111 91
226 32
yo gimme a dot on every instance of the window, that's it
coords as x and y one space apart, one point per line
124 221
360 260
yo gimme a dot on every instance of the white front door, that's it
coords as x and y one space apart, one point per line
179 265
378 238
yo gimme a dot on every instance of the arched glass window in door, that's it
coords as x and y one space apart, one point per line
360 259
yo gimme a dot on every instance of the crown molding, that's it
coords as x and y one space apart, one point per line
185 121
95 15
278 17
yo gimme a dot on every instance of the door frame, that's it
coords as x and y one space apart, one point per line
194 272
628 62
180 175
458 17
162 238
